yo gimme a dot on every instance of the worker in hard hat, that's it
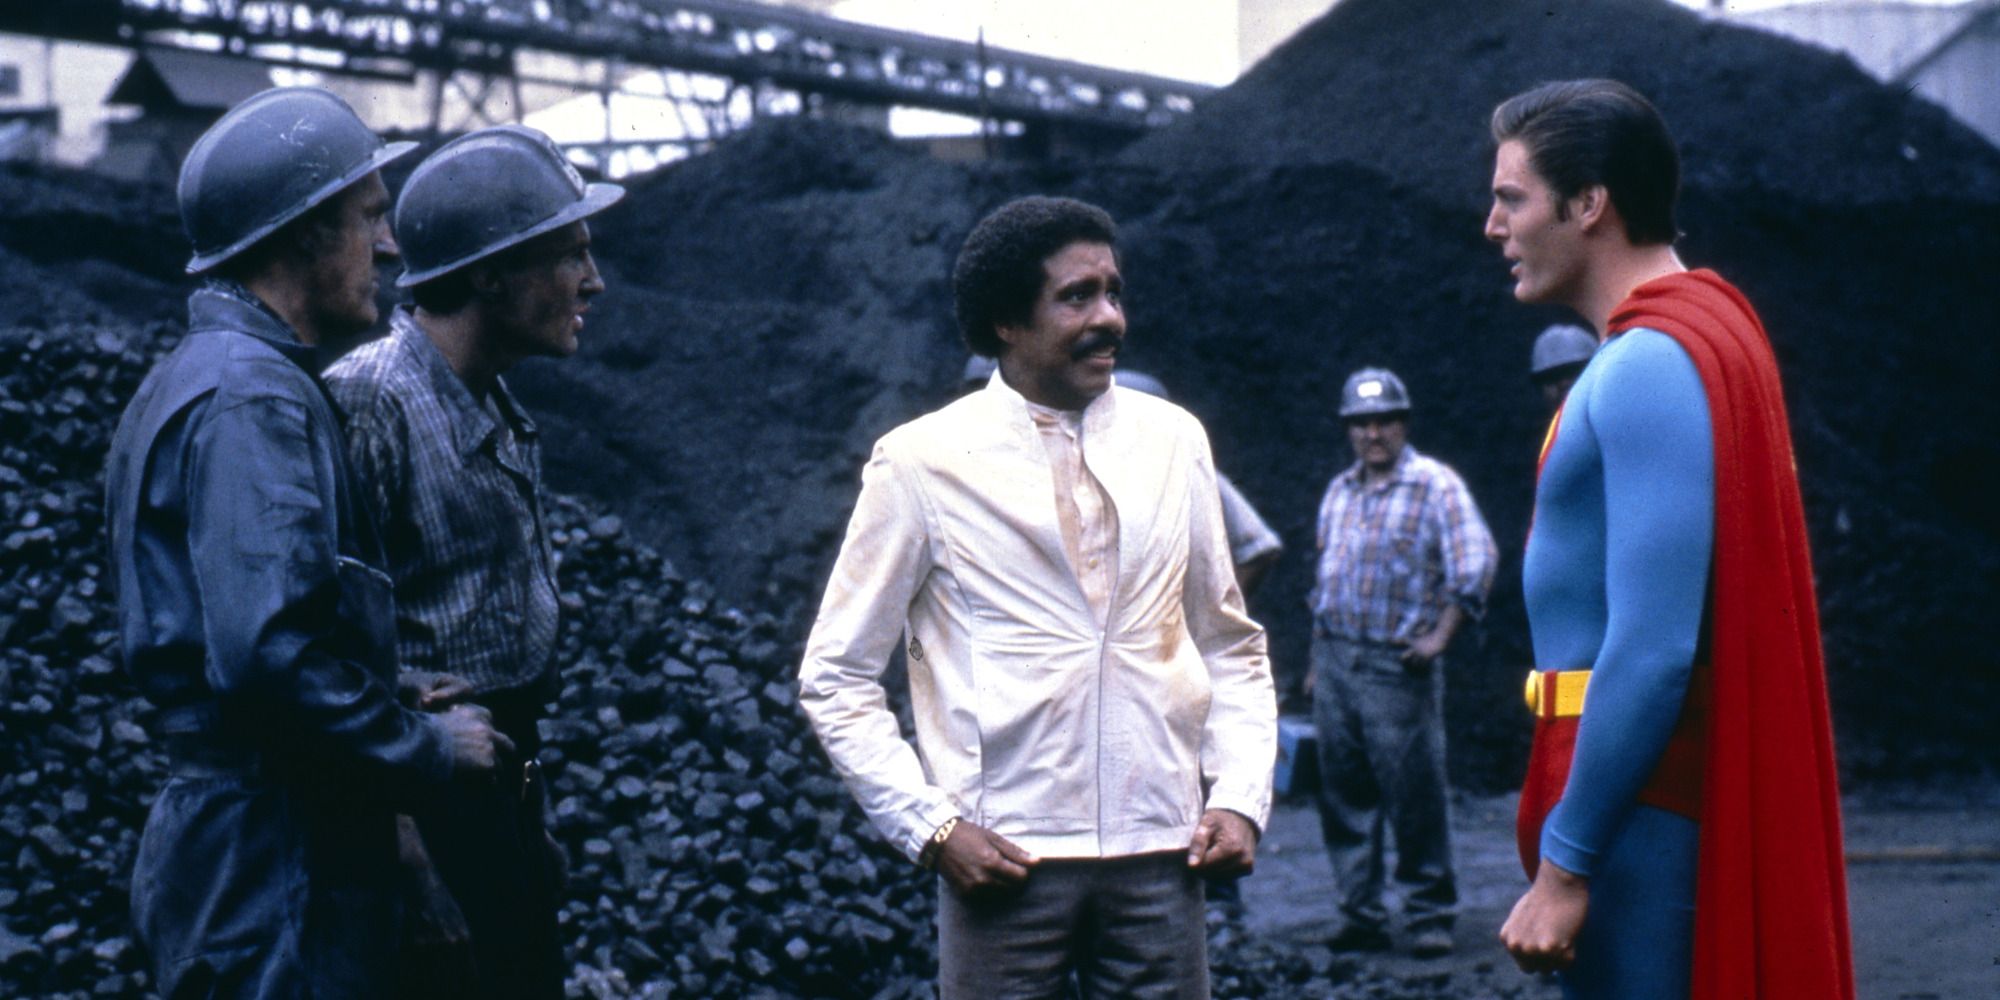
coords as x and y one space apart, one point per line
497 256
1405 559
253 609
1558 357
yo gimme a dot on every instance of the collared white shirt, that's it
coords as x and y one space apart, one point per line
1084 512
1071 734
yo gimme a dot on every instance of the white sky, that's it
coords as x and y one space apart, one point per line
1186 40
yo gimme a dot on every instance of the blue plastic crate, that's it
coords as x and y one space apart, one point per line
1298 756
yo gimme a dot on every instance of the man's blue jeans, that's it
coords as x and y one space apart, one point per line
1381 758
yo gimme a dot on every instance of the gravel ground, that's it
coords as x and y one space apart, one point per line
1923 876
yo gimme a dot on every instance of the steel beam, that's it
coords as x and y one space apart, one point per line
748 43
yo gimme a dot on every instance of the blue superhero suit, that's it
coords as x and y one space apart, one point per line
1615 580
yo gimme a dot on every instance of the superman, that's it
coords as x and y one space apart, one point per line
1680 821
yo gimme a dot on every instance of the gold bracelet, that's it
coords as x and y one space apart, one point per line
928 856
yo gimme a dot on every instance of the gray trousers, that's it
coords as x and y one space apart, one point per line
1116 927
1381 757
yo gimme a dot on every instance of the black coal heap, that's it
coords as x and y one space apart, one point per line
779 303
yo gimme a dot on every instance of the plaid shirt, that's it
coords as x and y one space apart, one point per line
1391 553
453 485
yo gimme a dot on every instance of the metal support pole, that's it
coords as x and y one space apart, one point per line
604 99
437 103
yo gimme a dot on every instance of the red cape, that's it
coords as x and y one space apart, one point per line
1771 888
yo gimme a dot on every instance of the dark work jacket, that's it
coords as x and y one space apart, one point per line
254 614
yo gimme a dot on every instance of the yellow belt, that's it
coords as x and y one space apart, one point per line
1560 691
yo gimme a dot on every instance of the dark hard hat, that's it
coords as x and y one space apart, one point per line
484 192
1559 346
268 161
1373 390
1143 383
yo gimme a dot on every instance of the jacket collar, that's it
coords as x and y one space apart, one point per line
472 425
221 304
1097 415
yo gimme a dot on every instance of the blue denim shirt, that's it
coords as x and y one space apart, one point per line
253 612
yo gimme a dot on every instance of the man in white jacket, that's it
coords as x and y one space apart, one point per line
1096 725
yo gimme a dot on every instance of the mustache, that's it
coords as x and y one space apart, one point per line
1094 341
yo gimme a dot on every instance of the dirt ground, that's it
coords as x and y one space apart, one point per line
1923 883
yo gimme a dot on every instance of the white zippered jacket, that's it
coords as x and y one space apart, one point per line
1070 741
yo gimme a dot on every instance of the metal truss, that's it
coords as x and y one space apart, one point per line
473 46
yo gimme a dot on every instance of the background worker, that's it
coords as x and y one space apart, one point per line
498 257
1404 560
1255 549
1252 544
253 611
1558 357
978 371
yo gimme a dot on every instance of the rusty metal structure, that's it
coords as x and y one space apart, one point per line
785 59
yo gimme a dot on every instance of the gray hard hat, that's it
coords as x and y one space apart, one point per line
1373 390
978 368
1559 346
268 161
1143 383
484 192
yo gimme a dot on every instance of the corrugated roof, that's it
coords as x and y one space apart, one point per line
198 80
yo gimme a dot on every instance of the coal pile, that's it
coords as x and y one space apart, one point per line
1863 224
776 304
772 311
77 248
79 763
1405 89
714 853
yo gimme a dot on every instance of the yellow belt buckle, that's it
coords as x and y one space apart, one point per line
1567 687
